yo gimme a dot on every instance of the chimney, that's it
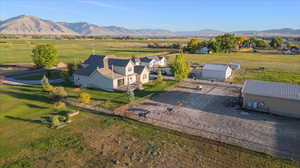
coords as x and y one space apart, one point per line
105 62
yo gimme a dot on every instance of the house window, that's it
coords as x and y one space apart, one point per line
130 69
145 76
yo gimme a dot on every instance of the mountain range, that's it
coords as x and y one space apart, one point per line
31 25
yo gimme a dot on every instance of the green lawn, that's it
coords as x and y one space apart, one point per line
264 75
19 51
94 140
112 100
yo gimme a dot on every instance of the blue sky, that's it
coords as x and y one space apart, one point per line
226 15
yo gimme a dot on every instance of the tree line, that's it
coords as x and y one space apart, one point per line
229 42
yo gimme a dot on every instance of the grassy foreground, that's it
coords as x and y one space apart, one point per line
94 140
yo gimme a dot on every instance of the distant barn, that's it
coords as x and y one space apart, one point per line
218 72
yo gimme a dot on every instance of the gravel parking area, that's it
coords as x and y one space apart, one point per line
213 113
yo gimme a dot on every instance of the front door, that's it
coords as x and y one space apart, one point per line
120 82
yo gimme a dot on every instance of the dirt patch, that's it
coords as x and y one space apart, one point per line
212 113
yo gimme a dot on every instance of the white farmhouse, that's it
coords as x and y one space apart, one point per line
154 61
142 74
145 61
219 72
203 50
107 73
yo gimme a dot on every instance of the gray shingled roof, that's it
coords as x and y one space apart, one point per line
216 67
87 71
272 89
118 62
95 59
139 69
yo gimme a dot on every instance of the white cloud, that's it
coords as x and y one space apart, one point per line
101 4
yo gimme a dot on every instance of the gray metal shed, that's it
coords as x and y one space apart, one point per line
219 72
278 98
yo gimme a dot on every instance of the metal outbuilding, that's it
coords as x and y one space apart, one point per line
278 98
218 72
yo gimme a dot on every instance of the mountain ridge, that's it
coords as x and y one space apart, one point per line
32 25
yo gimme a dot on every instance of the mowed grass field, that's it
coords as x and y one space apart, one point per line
94 140
278 67
19 51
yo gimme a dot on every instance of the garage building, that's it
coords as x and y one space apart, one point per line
218 72
277 98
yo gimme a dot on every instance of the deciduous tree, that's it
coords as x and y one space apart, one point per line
44 56
276 42
227 42
180 67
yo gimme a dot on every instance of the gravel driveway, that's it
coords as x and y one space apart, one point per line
208 113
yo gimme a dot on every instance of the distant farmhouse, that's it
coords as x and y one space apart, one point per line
110 73
292 51
203 50
151 61
219 72
278 98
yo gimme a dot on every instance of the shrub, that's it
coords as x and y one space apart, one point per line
45 85
58 106
55 121
159 78
84 98
48 88
59 93
107 104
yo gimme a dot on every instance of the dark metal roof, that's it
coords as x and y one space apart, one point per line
87 71
135 60
272 89
139 69
118 62
146 59
95 59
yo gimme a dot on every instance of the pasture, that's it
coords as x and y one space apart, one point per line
19 51
278 67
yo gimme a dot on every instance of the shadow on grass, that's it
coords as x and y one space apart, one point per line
27 96
135 51
36 106
23 119
61 113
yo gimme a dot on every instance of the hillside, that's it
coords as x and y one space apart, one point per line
34 26
88 29
31 25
